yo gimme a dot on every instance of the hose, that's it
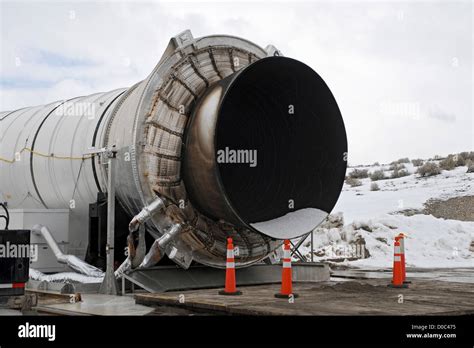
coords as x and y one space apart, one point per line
63 277
72 261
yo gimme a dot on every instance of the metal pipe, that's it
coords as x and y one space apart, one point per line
133 259
146 214
135 255
63 277
157 250
140 251
72 261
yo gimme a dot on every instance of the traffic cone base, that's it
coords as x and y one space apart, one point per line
404 282
404 286
278 295
235 293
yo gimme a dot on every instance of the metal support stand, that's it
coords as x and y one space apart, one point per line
295 247
109 285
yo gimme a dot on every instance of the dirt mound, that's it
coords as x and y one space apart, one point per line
457 208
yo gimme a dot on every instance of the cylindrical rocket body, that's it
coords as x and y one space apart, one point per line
47 162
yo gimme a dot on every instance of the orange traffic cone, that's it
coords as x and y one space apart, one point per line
401 238
230 287
397 278
286 277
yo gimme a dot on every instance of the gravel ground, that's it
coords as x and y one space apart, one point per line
457 208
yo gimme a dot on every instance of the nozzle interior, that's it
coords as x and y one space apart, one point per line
285 128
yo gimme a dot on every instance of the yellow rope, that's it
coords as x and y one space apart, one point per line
46 155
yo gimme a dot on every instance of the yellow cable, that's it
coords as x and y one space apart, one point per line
47 156
5 160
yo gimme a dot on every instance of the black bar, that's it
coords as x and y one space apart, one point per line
241 330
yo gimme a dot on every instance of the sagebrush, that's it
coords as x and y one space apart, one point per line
428 169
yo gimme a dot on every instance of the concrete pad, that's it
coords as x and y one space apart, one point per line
96 304
368 297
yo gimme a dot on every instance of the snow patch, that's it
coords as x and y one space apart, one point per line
431 242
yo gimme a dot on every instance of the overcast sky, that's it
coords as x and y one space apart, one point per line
401 72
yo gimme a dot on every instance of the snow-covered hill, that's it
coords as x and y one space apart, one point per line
374 218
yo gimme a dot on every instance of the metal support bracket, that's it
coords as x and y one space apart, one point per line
109 285
295 247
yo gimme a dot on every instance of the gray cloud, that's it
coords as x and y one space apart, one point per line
383 61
